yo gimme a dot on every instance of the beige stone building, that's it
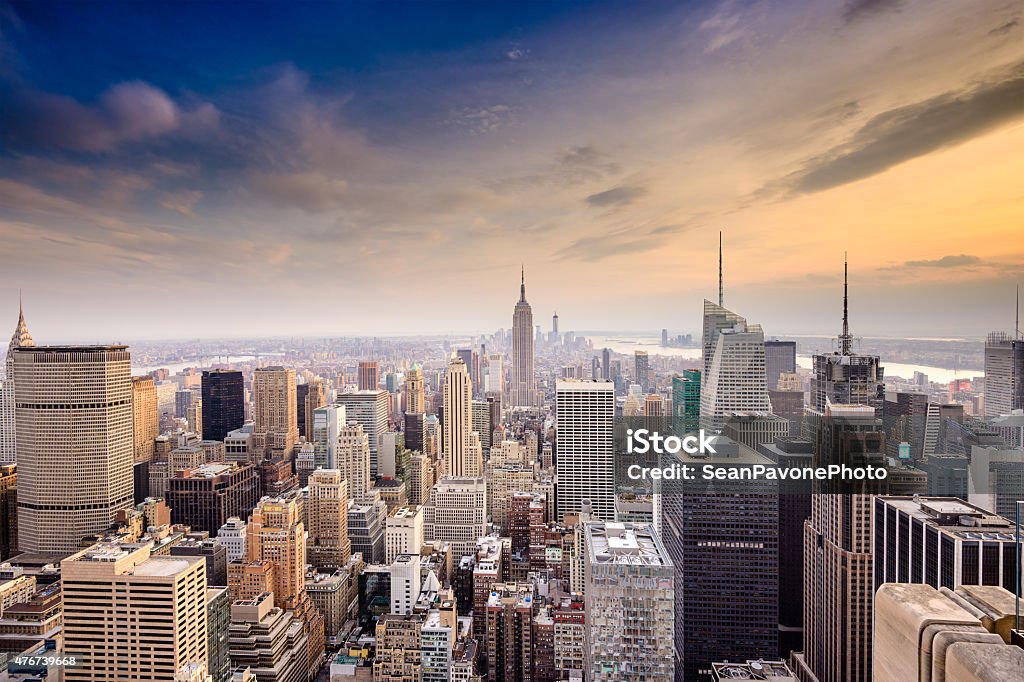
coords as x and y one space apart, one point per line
328 546
75 443
145 418
132 616
275 409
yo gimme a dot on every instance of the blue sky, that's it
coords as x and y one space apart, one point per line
324 162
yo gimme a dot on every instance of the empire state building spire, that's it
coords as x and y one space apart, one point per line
522 285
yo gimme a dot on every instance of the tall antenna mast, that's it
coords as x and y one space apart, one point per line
721 296
844 340
1016 321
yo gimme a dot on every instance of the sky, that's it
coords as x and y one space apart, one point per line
188 170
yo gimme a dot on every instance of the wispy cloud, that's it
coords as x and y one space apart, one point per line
945 262
861 9
311 191
620 242
907 132
616 197
183 203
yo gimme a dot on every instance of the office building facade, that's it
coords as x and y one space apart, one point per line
75 448
585 414
223 403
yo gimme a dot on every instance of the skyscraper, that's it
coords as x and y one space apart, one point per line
686 401
779 357
415 432
629 580
734 371
723 540
74 437
276 534
585 413
837 552
275 409
482 424
844 377
368 375
606 364
301 393
467 355
415 403
1004 374
458 421
353 460
642 370
328 547
456 512
8 429
942 542
8 511
308 397
524 382
398 647
205 497
327 424
145 420
510 647
182 402
266 642
369 409
716 318
223 403
132 616
494 380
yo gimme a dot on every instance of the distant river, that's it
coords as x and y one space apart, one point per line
200 363
626 345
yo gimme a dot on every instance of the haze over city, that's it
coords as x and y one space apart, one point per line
386 170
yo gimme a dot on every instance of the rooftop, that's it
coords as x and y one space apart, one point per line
956 517
625 543
753 670
209 470
165 566
71 349
406 512
104 553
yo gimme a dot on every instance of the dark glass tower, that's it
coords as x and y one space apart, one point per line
779 357
223 403
301 392
723 539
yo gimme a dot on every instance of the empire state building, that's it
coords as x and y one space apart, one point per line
524 384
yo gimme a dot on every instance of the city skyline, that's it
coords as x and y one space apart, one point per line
272 409
592 149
